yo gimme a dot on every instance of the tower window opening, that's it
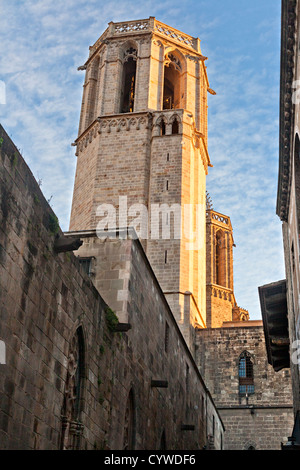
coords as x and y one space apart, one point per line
168 157
246 378
128 89
166 256
172 94
175 126
168 102
220 259
167 185
162 128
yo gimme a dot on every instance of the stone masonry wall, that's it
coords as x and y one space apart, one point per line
44 297
267 419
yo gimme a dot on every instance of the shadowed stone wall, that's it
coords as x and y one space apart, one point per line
46 299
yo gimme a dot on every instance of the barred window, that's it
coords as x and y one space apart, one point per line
86 263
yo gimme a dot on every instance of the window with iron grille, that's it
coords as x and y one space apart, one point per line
246 378
86 263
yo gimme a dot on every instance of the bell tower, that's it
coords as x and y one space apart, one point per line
221 305
142 148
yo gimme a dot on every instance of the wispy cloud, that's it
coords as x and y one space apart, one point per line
42 44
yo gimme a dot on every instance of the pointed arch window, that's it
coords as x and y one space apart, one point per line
220 258
129 424
72 428
246 377
129 80
175 126
162 127
172 94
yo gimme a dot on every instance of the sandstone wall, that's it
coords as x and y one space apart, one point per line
44 298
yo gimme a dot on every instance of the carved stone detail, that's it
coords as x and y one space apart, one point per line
131 26
171 59
108 124
71 426
173 34
130 53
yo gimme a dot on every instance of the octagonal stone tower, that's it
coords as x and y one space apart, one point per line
142 145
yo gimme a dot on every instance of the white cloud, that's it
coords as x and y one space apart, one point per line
42 44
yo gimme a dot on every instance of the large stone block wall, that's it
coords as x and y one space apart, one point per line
267 419
292 269
113 161
44 298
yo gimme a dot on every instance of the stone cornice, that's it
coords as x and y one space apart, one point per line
286 126
125 121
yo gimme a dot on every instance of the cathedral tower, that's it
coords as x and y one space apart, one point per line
142 148
221 305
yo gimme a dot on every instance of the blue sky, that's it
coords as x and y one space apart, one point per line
42 44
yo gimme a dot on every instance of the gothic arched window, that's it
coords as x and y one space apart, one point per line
220 259
93 88
129 79
175 126
172 96
71 426
129 424
246 377
162 126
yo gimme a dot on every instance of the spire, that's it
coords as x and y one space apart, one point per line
209 203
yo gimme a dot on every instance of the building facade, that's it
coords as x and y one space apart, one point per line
142 148
254 402
125 343
280 301
74 375
170 160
